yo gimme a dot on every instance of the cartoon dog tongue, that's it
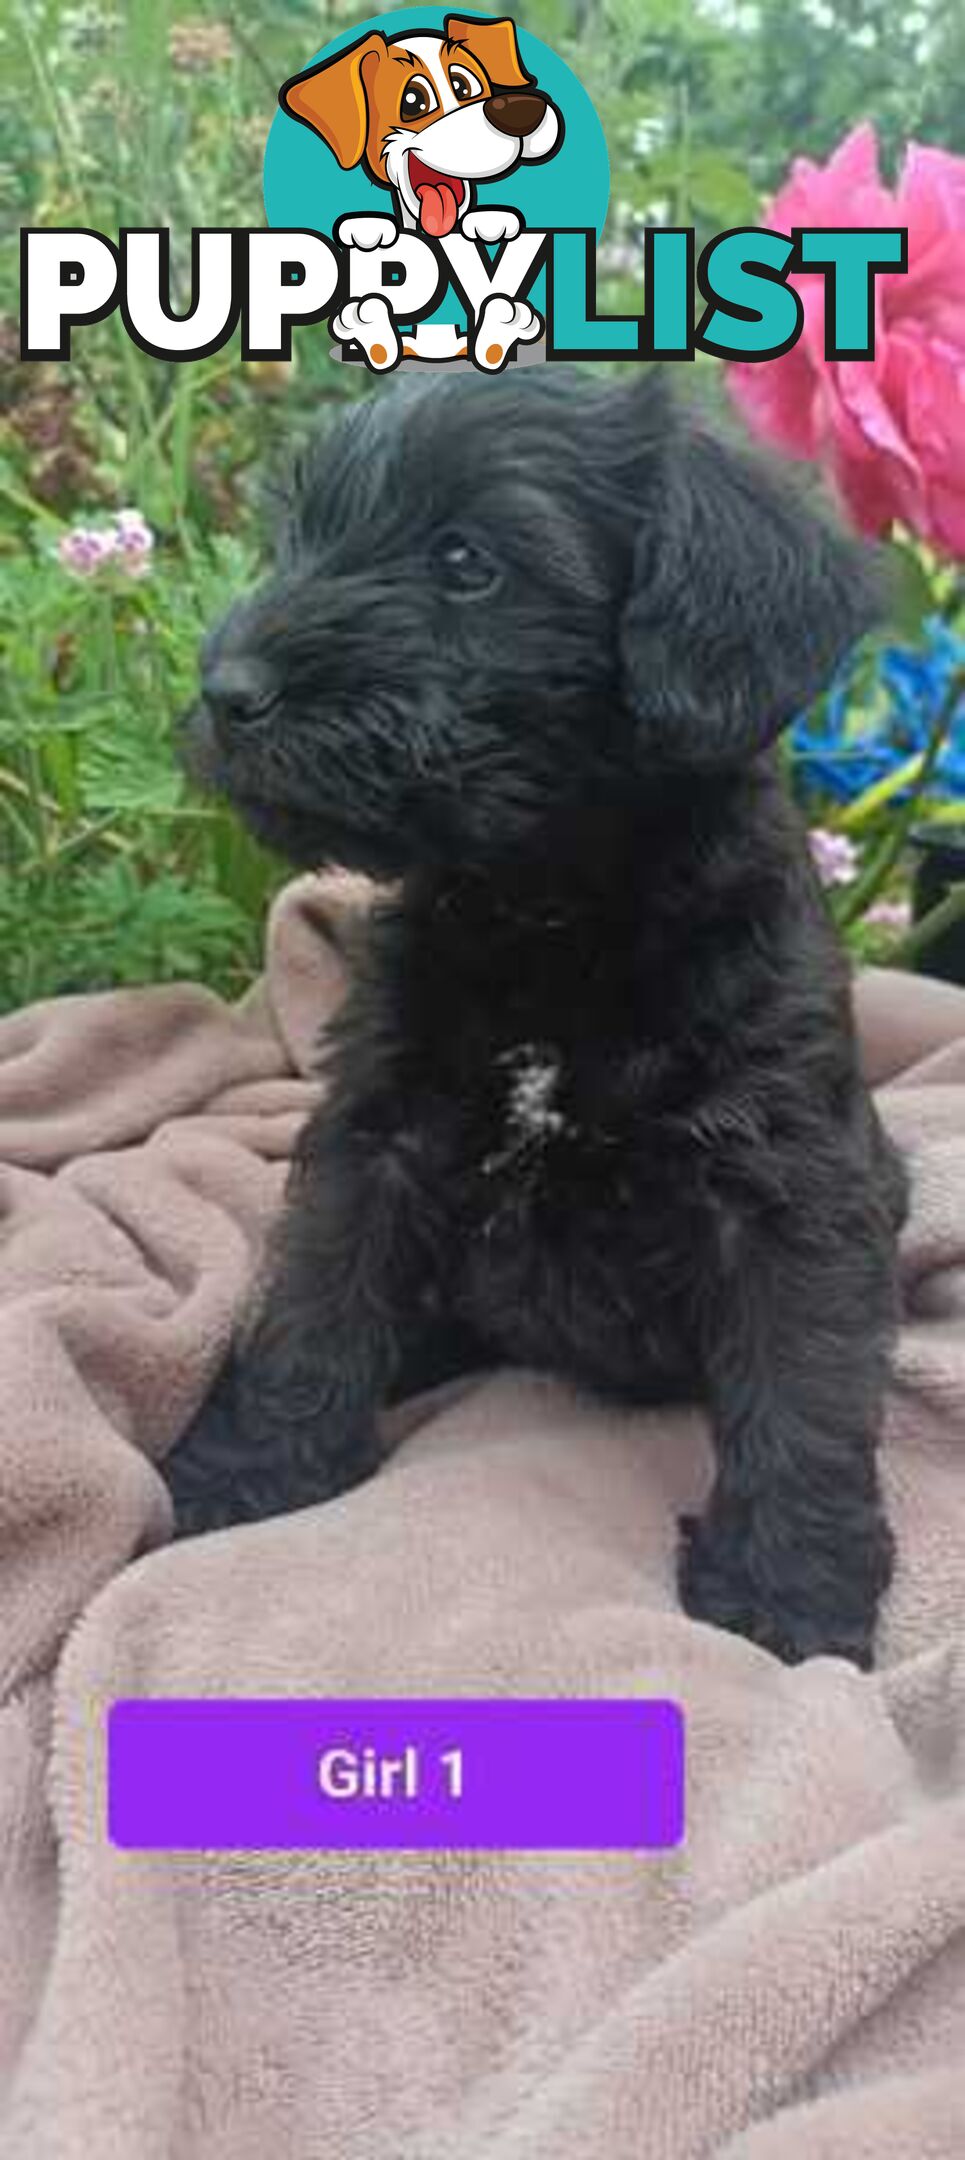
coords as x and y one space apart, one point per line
439 199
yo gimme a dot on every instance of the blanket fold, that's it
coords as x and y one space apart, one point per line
790 1983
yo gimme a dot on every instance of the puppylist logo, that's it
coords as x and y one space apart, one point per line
435 187
444 123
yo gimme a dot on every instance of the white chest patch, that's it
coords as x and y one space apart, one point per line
533 1114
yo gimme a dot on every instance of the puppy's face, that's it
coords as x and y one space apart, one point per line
426 673
499 603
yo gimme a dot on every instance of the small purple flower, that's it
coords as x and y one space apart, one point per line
836 857
128 541
84 551
134 542
890 915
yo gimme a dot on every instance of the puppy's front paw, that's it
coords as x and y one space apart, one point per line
367 322
795 1608
503 324
281 1439
366 232
491 225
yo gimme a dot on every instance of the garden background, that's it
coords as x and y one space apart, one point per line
132 491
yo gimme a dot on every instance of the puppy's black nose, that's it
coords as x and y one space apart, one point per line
515 112
239 692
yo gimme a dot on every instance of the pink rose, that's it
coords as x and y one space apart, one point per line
891 431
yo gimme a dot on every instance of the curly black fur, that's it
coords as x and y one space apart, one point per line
593 1100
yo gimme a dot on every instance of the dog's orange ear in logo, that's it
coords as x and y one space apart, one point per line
494 43
331 98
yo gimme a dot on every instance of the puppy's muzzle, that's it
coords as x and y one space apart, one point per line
238 693
515 112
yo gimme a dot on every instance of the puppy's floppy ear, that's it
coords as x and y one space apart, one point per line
743 602
494 43
331 98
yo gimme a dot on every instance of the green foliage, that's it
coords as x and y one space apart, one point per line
116 873
115 924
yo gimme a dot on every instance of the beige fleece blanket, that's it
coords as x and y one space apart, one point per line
791 1982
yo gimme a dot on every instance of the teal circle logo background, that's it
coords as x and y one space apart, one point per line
305 185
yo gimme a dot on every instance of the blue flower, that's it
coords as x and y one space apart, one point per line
864 728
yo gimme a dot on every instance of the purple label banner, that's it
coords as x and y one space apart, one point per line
247 1775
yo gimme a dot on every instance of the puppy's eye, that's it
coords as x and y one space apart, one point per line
463 568
417 98
464 85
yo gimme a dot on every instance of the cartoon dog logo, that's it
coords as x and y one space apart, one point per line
428 115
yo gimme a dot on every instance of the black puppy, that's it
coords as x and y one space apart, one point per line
593 1102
